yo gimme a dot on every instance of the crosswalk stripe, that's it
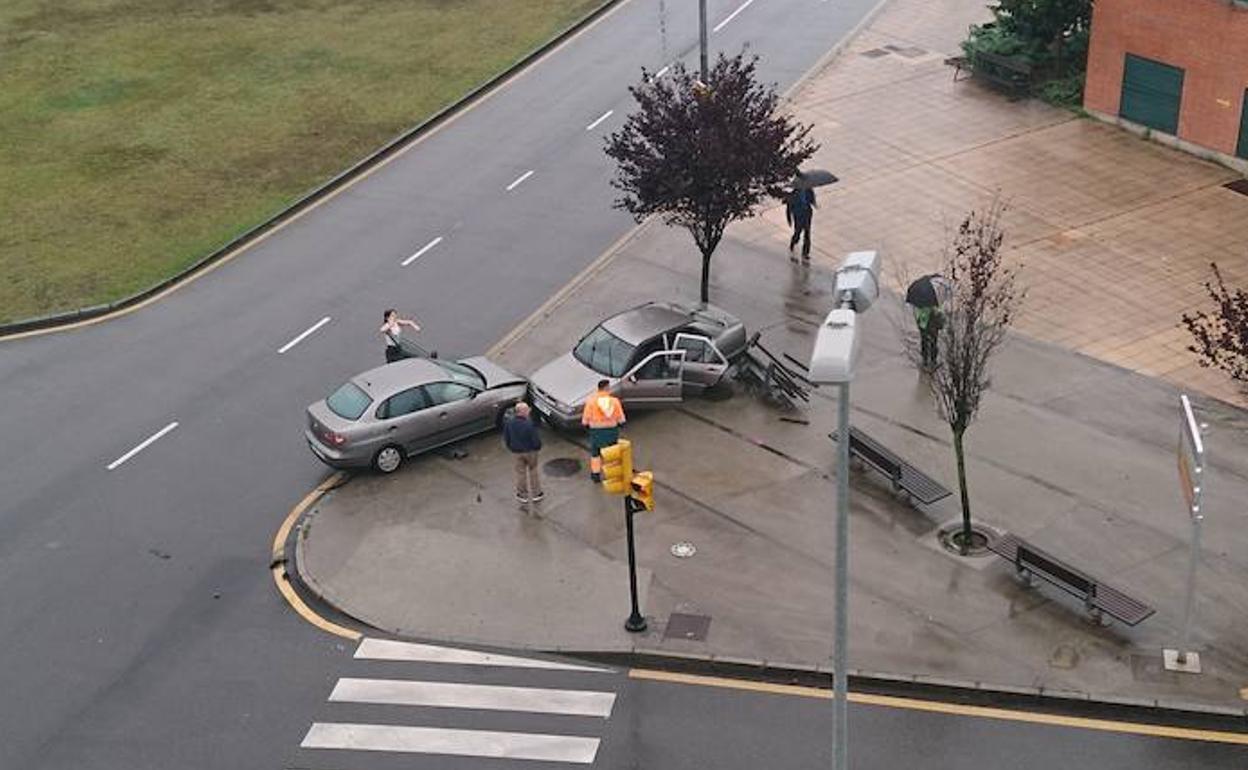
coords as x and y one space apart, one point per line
466 743
537 700
386 649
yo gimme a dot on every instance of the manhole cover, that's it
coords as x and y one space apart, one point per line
683 550
683 626
874 53
562 467
1239 185
951 539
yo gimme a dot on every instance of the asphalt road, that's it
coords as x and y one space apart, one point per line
397 705
140 627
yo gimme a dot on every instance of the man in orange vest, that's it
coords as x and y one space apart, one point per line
603 415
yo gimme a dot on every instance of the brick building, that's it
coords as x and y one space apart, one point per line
1177 67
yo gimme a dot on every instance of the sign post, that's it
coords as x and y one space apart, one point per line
1191 459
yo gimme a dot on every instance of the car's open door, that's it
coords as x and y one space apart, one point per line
704 364
657 379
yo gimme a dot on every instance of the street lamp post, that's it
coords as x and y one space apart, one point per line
702 37
832 363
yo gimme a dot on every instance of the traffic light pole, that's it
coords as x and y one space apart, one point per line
636 621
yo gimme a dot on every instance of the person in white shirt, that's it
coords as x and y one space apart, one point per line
392 331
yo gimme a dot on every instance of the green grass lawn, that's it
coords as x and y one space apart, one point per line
137 135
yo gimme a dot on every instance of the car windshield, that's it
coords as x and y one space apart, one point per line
463 373
348 402
604 352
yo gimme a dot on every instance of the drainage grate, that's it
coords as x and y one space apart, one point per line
562 467
1239 185
874 53
683 626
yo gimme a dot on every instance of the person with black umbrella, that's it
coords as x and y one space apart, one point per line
926 295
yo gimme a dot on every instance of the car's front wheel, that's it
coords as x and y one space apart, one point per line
388 459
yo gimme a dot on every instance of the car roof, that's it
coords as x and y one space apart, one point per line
639 324
386 380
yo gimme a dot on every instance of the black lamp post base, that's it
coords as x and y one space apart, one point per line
635 623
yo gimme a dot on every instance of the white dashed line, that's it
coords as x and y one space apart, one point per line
519 179
421 253
594 125
302 336
662 72
146 443
732 16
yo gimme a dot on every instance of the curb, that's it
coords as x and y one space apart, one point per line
53 321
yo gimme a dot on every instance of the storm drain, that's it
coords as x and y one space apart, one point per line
1239 185
874 53
910 52
562 467
684 626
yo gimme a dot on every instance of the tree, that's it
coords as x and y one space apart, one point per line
1047 24
1220 339
702 156
982 303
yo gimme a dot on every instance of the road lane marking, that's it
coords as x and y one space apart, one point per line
534 700
594 125
278 564
957 709
662 72
152 439
412 652
520 179
463 743
421 253
304 335
732 16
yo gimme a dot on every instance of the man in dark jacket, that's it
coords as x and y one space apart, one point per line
799 210
522 439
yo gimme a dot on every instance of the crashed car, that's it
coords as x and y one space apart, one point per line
653 354
385 415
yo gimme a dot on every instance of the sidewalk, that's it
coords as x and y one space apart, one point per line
1069 452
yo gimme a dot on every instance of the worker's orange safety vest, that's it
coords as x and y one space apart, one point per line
602 410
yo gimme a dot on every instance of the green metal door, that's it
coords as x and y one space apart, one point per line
1242 150
1151 93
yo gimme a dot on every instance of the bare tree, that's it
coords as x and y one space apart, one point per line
704 155
1220 339
983 301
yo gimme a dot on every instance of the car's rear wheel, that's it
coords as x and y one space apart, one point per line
388 459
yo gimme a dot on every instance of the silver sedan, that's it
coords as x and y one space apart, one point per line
387 414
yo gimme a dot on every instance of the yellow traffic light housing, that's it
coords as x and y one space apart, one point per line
643 489
617 467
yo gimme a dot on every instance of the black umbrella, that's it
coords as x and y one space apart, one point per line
815 177
928 291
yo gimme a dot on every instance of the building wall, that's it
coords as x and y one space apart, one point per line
1208 39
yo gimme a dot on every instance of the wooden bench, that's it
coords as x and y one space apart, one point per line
1098 599
1010 73
904 477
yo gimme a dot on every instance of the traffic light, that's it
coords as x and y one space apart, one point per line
617 467
643 489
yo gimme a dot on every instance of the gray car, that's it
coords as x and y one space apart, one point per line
654 354
390 413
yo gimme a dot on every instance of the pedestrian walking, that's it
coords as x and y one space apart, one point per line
392 331
926 295
603 415
521 436
799 210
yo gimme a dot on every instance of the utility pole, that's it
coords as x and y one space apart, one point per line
702 37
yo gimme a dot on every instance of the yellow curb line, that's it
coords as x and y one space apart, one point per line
983 712
400 152
280 577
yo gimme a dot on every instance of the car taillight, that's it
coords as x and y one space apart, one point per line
337 439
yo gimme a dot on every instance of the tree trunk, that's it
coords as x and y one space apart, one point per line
966 501
706 277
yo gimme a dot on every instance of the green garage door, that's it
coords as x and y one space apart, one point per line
1151 93
1242 150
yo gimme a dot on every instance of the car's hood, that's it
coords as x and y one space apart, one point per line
494 374
566 380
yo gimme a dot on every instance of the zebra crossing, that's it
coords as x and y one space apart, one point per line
434 702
